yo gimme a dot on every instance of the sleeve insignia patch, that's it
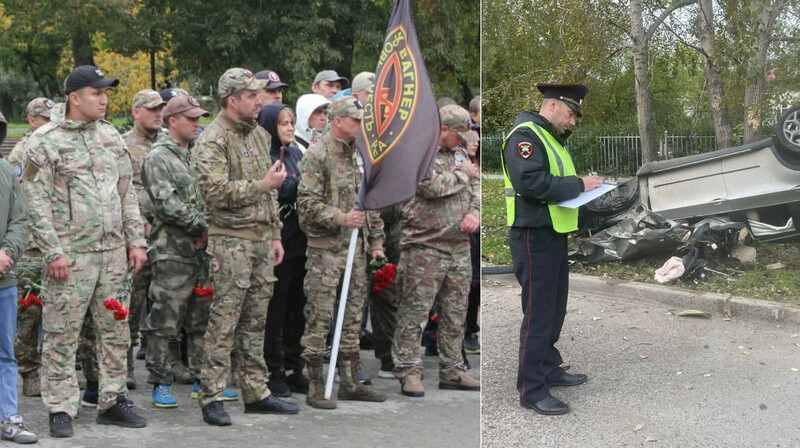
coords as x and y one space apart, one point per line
525 149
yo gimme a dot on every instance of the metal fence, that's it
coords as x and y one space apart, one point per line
616 154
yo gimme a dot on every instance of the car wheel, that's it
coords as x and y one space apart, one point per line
787 130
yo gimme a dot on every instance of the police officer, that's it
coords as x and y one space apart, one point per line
538 173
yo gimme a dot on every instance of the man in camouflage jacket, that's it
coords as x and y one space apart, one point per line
331 173
244 242
177 246
85 215
435 260
147 110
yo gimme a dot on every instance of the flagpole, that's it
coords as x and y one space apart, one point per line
348 270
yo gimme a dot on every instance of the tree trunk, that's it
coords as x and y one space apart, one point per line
756 82
719 113
644 102
82 51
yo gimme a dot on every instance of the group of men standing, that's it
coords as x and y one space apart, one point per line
160 216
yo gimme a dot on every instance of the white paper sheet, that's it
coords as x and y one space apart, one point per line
587 196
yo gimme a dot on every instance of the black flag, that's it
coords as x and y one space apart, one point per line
400 129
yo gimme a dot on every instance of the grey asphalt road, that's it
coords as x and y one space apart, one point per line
655 379
441 418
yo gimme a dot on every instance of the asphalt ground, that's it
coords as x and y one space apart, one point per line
440 419
655 379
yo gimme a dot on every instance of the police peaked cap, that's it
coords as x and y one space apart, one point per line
572 94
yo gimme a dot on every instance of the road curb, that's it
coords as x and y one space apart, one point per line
719 305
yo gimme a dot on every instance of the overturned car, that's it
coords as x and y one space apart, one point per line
756 184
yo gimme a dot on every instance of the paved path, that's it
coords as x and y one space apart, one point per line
688 382
440 419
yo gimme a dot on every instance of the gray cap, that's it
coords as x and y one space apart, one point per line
364 81
236 79
40 107
330 76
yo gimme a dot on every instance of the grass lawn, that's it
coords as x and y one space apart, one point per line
754 280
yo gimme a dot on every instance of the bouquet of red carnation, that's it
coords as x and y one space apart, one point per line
120 310
115 305
383 274
203 287
30 299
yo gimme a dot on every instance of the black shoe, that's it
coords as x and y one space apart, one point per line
431 350
141 353
548 406
277 384
567 379
471 344
214 414
60 425
121 414
271 405
297 382
365 340
90 394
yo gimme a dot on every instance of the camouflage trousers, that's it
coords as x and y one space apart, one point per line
323 287
29 320
141 284
174 305
93 278
26 342
427 275
242 278
87 349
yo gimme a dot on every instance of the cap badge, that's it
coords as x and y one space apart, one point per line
98 73
273 77
193 101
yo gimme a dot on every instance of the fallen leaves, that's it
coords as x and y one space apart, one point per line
694 313
650 439
638 427
794 369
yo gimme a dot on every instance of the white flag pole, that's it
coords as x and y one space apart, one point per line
337 335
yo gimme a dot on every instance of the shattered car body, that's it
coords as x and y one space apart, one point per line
757 184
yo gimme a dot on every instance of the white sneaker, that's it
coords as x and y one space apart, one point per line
386 374
15 431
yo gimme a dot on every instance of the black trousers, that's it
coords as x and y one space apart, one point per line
285 319
540 265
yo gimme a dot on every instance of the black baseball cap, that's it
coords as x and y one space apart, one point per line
273 78
172 92
572 94
87 76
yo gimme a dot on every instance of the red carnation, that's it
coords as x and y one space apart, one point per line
120 311
204 291
384 277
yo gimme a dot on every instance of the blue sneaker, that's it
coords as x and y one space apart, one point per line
163 398
229 395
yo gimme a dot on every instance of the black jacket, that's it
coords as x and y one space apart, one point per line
293 239
531 176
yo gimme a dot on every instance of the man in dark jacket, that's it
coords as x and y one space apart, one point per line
538 174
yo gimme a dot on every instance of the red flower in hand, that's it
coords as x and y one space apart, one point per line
204 291
30 299
384 277
120 311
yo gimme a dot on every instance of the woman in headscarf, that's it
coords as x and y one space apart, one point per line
285 318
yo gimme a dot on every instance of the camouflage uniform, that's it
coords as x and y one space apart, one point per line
29 318
435 261
232 159
330 175
83 207
169 180
139 143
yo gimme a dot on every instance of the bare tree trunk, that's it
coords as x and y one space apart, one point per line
644 102
756 82
82 51
719 113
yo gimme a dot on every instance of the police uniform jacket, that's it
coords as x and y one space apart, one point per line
530 176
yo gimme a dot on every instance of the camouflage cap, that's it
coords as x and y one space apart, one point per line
185 105
147 98
40 107
346 106
455 117
236 79
364 81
